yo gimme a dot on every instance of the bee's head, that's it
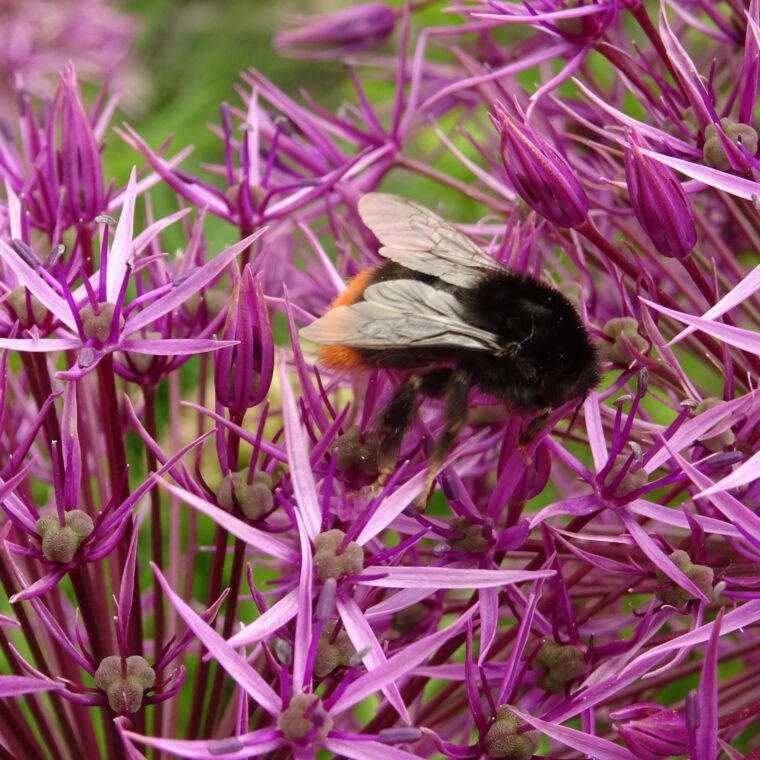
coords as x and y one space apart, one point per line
575 381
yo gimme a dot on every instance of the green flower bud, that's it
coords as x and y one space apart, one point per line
98 326
254 499
61 542
700 575
296 725
124 682
16 299
329 563
563 663
622 330
503 741
332 651
713 151
630 482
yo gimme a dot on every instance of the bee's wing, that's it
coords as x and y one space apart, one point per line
418 239
400 314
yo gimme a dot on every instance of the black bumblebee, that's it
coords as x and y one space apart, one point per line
444 309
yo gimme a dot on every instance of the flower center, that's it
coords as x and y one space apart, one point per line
335 560
305 717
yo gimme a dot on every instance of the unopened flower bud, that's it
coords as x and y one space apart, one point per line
504 739
254 499
714 151
625 336
124 682
700 575
61 542
301 716
539 175
660 203
334 564
332 650
654 730
713 441
243 372
346 31
81 166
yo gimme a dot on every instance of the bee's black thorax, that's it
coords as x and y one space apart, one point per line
547 357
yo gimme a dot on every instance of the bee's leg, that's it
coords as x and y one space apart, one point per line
395 420
535 426
455 413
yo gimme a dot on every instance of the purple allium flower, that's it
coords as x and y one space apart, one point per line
199 554
43 38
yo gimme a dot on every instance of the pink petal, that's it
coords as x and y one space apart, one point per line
303 621
399 665
363 638
37 286
659 558
696 428
392 507
489 620
366 750
588 745
740 516
707 731
447 577
174 346
749 340
121 245
43 345
203 749
734 297
258 539
190 285
301 474
146 237
746 473
240 671
270 622
746 615
16 686
730 183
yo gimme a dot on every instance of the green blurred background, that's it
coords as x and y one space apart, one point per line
190 55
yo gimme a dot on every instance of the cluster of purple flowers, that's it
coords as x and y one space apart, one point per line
198 557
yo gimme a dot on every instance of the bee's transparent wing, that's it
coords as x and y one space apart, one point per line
400 314
418 239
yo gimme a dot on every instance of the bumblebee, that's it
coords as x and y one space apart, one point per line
444 310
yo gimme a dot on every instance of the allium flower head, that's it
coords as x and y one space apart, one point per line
579 580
